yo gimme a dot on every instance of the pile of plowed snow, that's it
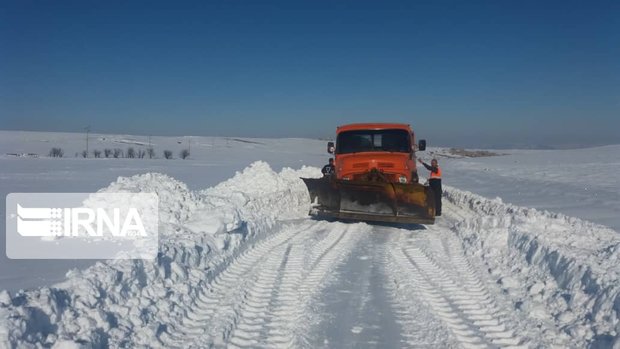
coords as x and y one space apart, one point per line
557 270
121 303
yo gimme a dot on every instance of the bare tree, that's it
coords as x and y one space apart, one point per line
131 152
107 152
56 153
85 154
151 152
97 153
117 153
167 154
184 154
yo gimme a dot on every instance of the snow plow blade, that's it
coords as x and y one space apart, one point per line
371 201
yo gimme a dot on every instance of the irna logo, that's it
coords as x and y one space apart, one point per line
78 221
82 225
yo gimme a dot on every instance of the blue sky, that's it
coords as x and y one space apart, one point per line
463 73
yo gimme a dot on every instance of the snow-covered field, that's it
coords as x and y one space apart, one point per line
583 183
212 160
241 264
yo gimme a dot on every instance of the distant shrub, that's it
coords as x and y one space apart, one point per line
56 153
131 152
151 152
184 154
107 152
97 153
141 153
84 154
167 154
117 153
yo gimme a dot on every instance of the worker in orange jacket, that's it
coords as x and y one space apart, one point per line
435 183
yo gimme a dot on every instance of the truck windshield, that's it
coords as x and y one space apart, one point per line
373 140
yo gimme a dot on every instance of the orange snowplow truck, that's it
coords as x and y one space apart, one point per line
375 178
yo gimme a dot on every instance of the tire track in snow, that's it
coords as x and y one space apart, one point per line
236 278
261 298
287 293
421 327
440 276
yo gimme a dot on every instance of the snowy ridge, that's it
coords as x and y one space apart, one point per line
241 265
131 303
557 269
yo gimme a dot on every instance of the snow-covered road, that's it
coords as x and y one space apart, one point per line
265 297
321 284
242 265
330 284
431 274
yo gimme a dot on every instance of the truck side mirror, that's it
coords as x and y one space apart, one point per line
330 147
422 145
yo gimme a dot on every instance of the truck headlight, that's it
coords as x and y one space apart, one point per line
402 179
346 178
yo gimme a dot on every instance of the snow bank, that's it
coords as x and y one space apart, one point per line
129 303
556 269
260 193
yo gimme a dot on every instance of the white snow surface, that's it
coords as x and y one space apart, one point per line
558 269
578 182
212 160
552 279
119 303
240 263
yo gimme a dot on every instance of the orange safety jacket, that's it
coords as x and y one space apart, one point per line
436 175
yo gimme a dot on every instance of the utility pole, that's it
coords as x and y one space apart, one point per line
87 128
189 144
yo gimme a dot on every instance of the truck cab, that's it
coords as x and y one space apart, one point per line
376 151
